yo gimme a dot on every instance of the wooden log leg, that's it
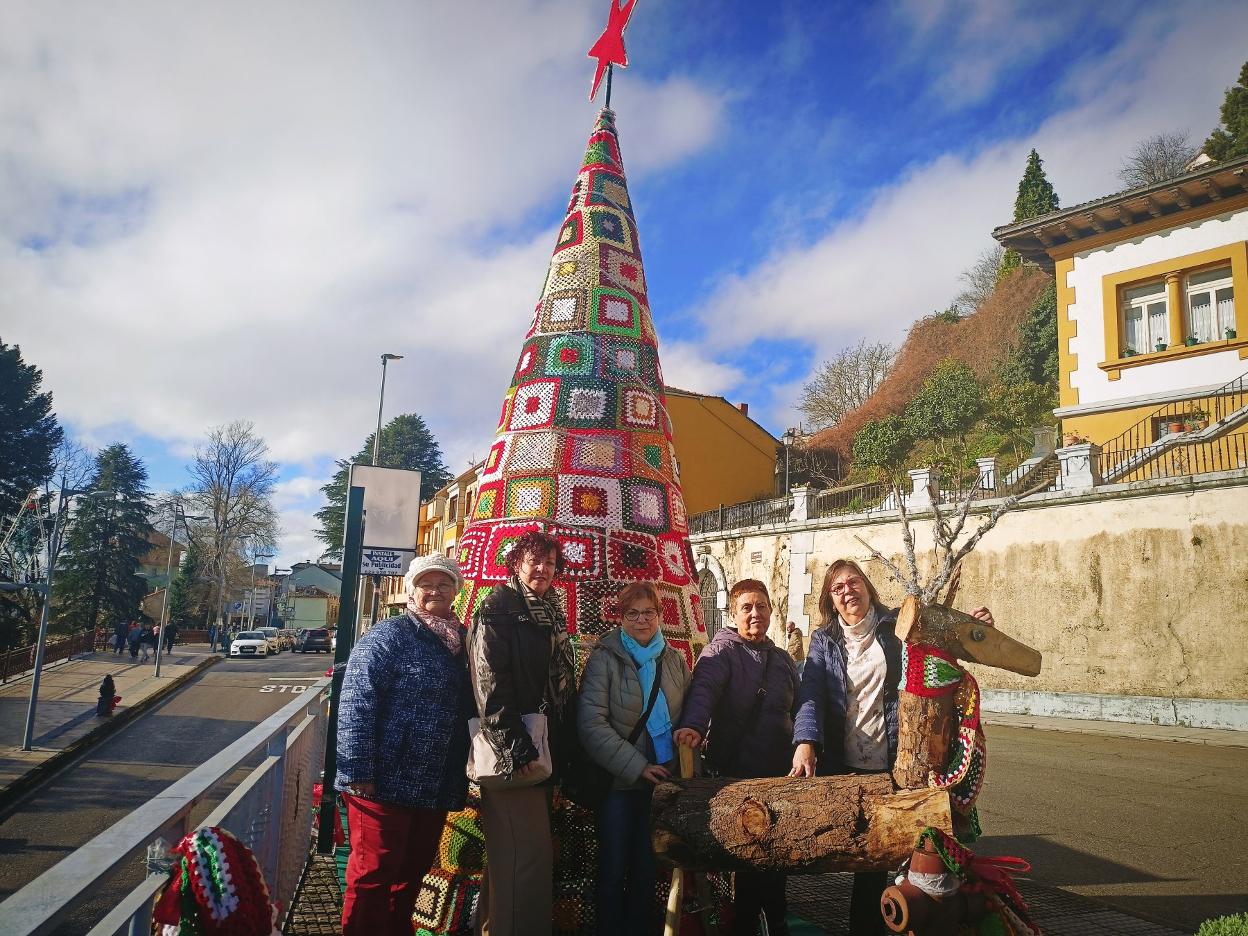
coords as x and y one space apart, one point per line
675 904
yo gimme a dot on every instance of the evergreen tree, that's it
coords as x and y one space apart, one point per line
1035 358
29 434
1036 197
189 593
406 442
1231 138
106 541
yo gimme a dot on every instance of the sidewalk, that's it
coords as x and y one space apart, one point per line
1112 729
65 717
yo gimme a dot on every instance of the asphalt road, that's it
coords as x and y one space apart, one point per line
130 767
1154 828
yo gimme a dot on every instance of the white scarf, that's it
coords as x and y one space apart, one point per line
866 739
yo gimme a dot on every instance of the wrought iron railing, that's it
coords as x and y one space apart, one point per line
1185 437
22 660
749 514
855 499
270 811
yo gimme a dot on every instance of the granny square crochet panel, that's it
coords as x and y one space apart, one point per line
584 443
583 451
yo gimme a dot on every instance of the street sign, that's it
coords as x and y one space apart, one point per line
391 507
237 606
377 561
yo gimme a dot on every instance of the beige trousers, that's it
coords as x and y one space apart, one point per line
517 892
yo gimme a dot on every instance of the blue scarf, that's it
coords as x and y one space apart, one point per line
659 724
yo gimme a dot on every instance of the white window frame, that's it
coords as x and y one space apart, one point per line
1137 301
1210 288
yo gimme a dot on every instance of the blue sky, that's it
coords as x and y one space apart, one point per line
229 211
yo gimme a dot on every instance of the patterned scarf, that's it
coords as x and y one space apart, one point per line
447 629
547 613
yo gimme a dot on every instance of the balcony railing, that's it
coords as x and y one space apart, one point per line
749 514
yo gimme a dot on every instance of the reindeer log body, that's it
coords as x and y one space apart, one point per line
851 822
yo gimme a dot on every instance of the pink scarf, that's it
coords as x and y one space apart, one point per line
448 629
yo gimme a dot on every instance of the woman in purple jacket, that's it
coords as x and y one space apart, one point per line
741 702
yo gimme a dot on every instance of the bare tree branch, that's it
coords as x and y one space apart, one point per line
1160 157
845 382
895 572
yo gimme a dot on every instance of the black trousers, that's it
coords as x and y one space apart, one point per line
865 918
759 891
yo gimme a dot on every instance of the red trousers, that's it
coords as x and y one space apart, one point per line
392 848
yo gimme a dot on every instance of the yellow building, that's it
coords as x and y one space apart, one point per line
723 455
1152 289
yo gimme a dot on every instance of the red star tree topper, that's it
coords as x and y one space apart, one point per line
609 49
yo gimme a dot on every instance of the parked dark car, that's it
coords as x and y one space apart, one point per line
315 639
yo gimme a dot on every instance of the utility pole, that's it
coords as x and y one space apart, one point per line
164 604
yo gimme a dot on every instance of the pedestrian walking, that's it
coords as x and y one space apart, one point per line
120 631
171 633
796 647
741 702
633 689
402 747
147 643
132 638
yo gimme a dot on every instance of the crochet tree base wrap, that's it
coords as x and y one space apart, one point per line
855 822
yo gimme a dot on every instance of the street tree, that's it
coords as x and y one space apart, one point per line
845 382
1157 158
29 433
406 442
1036 197
105 544
947 405
1230 138
232 482
980 279
191 590
882 445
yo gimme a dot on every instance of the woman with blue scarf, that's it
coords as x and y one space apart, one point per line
615 704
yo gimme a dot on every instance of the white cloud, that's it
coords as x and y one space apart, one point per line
873 275
230 210
687 367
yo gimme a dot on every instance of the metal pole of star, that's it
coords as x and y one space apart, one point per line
610 72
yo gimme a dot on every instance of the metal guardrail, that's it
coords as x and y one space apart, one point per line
270 812
858 499
749 514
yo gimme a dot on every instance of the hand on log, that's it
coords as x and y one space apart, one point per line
855 822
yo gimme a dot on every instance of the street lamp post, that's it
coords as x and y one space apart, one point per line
54 549
164 604
381 402
789 437
251 595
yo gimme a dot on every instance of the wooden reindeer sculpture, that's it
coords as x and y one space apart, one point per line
863 822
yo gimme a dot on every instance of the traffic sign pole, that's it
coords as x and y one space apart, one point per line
346 639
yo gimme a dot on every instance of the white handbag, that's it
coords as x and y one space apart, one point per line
483 761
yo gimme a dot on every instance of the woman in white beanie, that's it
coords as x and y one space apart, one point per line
402 746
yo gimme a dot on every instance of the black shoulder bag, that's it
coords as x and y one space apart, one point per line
585 781
719 757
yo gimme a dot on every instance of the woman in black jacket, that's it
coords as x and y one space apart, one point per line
521 662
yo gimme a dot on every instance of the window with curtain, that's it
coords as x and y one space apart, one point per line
1145 318
1210 304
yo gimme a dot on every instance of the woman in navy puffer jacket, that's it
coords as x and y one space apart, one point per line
402 748
847 716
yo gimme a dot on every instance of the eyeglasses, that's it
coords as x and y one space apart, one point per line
846 586
648 615
437 586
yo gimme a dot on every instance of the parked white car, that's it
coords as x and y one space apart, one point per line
274 637
250 644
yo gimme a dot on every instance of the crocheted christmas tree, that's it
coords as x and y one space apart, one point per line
584 444
583 451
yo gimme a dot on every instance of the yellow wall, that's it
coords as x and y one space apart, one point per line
725 457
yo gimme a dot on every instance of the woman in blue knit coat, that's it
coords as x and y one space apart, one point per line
402 748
